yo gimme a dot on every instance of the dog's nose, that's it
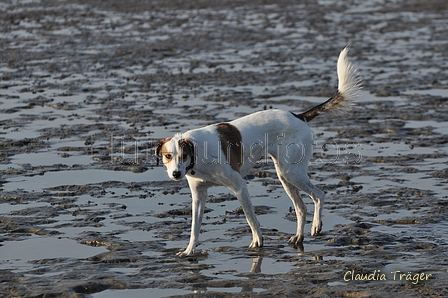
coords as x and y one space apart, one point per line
176 174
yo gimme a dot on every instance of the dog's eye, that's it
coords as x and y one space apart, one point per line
168 156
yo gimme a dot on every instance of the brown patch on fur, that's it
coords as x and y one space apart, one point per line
160 145
231 144
186 149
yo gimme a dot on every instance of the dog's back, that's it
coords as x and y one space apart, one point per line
273 133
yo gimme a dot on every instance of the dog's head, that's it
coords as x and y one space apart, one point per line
177 156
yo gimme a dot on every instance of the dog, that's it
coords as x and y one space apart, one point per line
224 153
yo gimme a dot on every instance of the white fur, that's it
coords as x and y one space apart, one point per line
279 134
349 81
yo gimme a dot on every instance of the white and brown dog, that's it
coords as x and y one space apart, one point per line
222 154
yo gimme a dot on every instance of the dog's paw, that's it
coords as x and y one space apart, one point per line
193 253
316 229
256 243
295 240
185 253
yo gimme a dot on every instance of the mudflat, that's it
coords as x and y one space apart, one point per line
88 88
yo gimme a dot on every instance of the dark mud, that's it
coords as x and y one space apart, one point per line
89 87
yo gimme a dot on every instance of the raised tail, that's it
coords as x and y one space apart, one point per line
348 88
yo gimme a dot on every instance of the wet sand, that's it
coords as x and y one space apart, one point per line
88 88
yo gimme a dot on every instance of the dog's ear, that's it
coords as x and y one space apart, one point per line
160 145
187 146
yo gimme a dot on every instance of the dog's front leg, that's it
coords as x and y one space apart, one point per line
199 196
238 186
244 199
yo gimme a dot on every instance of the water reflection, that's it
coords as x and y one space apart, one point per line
256 265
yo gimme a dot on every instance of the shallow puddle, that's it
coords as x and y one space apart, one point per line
137 293
89 88
79 177
28 254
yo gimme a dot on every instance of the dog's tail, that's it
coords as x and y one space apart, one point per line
348 88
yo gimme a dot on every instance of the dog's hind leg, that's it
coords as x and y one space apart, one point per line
299 207
296 174
303 183
318 198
